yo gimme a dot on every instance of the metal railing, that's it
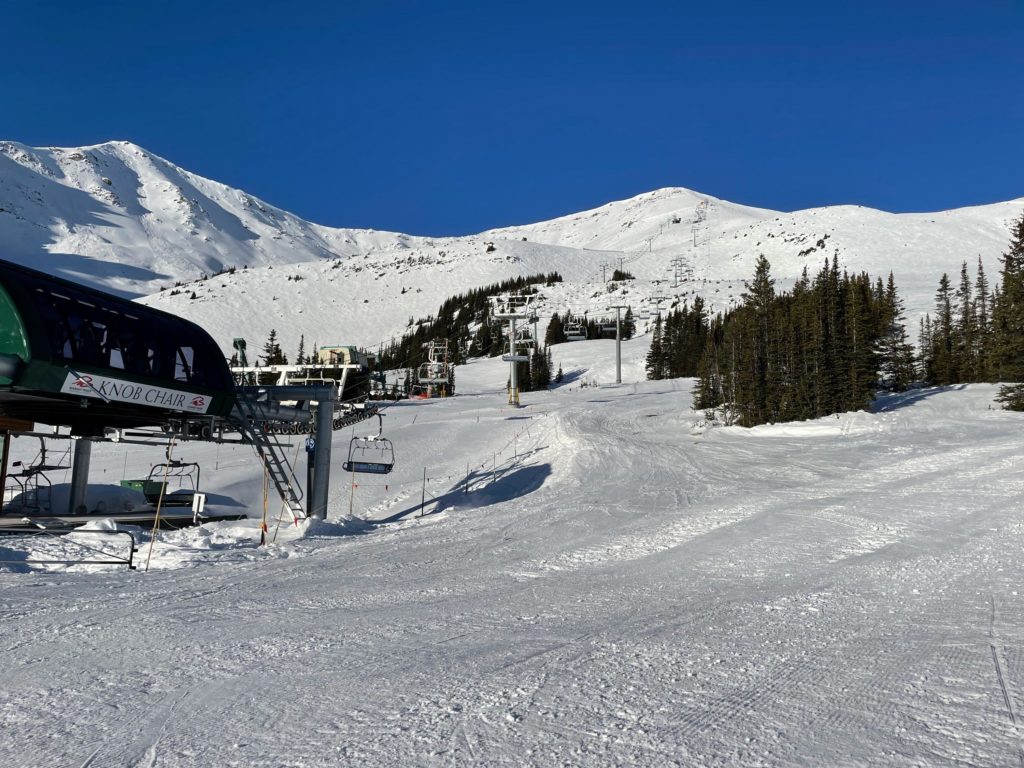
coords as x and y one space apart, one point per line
91 555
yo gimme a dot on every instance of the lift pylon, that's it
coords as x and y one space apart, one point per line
436 372
512 307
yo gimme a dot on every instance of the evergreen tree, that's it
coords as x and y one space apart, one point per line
708 393
654 366
272 354
795 355
540 369
982 299
862 320
966 333
1008 323
942 354
555 333
924 345
300 356
628 327
757 326
896 354
523 378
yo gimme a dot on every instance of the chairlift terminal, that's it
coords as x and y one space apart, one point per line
100 365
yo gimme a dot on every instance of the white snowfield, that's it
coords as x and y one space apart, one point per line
117 216
615 584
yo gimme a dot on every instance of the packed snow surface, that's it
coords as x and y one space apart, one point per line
597 578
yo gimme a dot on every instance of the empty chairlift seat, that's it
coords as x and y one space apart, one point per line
373 454
574 332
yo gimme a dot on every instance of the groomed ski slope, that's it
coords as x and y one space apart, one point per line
620 586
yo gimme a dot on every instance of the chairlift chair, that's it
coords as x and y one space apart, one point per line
508 357
32 487
373 454
182 474
574 332
515 305
524 338
433 373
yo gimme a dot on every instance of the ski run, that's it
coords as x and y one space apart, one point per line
596 578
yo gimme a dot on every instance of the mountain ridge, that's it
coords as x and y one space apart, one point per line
119 217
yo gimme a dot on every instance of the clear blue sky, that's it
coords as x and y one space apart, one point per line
452 117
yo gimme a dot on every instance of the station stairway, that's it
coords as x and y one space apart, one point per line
251 419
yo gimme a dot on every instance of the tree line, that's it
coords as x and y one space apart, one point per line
453 322
792 355
832 342
977 333
594 328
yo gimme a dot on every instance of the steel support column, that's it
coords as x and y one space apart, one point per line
322 459
80 476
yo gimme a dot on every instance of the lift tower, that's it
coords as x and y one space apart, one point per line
512 307
657 303
436 372
618 340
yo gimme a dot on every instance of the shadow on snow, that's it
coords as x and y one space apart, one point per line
508 485
896 400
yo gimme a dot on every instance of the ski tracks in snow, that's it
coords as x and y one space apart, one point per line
1001 678
740 598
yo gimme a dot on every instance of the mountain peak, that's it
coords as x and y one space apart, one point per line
121 218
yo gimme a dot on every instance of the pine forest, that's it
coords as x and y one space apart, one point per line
835 339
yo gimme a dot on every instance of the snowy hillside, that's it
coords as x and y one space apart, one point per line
597 579
369 299
118 216
121 217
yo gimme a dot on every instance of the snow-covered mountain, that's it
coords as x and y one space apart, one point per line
117 216
597 578
121 217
